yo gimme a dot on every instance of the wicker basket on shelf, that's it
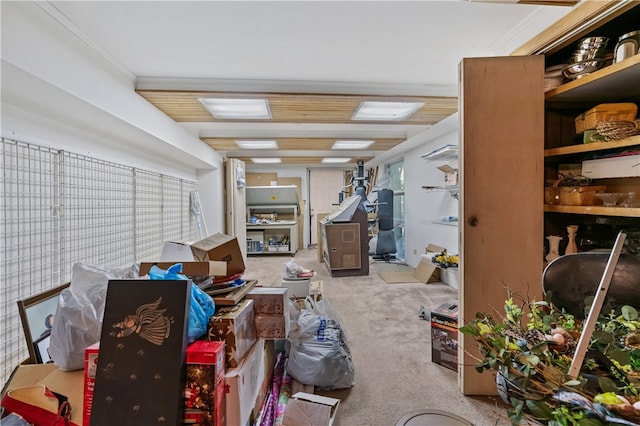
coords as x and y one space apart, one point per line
621 111
618 129
572 192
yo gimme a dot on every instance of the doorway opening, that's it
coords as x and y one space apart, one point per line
325 186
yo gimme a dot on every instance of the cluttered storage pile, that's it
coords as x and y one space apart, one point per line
572 358
187 340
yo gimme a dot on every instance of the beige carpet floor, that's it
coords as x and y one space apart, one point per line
390 345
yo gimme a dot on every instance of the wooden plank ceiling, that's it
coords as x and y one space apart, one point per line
297 108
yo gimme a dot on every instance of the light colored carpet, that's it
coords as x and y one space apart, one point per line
390 345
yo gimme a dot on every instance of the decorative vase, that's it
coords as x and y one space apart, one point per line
554 247
571 245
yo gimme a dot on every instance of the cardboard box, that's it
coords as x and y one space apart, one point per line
204 384
427 271
450 175
272 326
222 248
269 300
307 409
174 251
316 287
297 288
66 383
444 335
90 367
614 167
190 269
236 326
243 384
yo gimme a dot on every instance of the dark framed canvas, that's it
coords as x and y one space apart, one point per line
37 314
140 372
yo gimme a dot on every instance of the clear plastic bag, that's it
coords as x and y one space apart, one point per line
78 321
293 270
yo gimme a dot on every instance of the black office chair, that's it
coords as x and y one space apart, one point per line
383 245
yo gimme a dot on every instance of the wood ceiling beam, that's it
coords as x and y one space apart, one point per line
184 106
308 160
301 144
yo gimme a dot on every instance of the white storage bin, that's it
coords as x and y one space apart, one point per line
615 167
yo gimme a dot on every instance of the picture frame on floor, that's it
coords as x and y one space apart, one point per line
41 347
37 314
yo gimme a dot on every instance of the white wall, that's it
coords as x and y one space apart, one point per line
59 92
423 208
210 189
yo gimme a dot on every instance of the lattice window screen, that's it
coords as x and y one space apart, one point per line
60 208
148 215
97 211
171 208
30 232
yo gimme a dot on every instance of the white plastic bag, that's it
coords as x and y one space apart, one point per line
318 351
320 305
78 321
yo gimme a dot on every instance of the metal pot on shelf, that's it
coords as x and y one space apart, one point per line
627 46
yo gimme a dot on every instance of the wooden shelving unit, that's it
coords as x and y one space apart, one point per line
509 152
280 201
592 147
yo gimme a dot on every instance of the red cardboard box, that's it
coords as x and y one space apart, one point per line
204 384
90 367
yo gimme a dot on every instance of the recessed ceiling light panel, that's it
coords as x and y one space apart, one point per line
266 160
336 160
256 109
257 144
352 144
386 111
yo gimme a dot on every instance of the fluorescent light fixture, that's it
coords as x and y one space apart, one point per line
352 144
237 108
388 111
266 160
336 160
257 144
443 152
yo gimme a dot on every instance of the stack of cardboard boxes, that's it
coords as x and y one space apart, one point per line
228 373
